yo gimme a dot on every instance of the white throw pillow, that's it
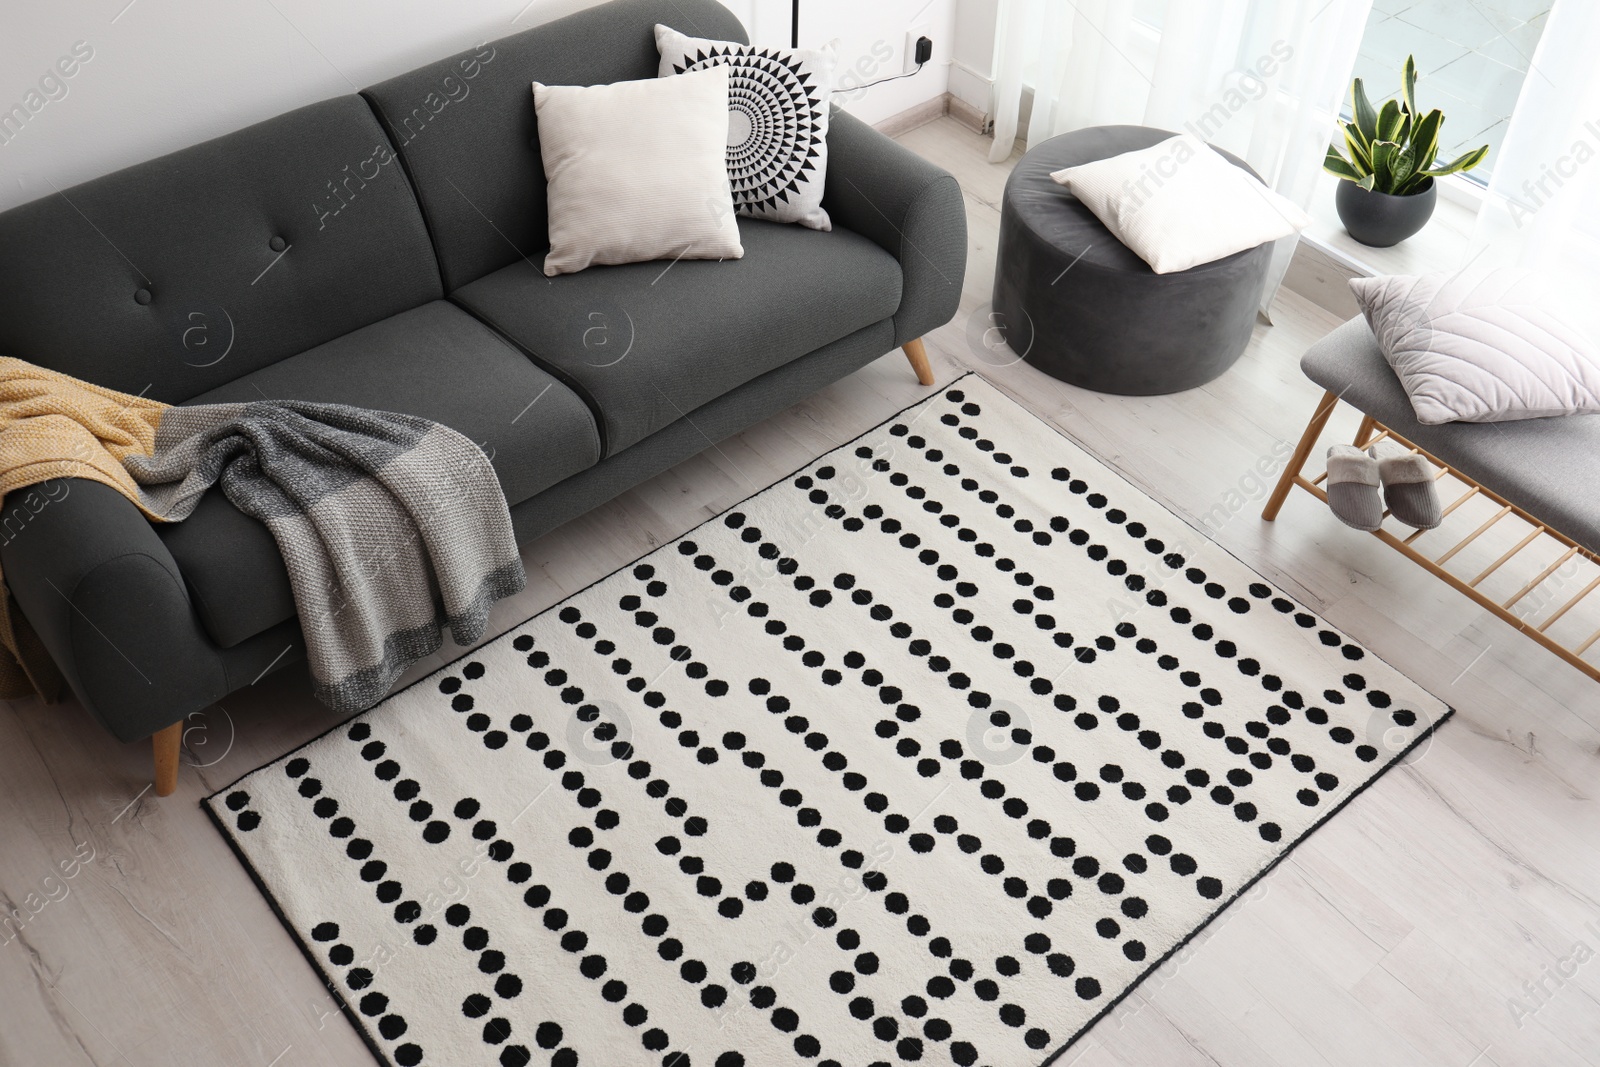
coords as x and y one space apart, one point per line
1178 204
778 102
1484 347
635 171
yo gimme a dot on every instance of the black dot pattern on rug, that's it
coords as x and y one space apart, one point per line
926 753
800 893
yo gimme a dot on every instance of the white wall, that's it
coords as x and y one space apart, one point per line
871 37
972 60
164 74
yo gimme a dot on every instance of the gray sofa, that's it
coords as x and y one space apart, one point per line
382 249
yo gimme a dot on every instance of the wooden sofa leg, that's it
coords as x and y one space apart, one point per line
166 744
918 355
1302 452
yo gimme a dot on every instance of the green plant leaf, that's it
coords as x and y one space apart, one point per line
1464 162
1360 152
1418 183
1389 119
1353 133
1404 167
1383 153
1413 184
1337 165
1426 138
1393 148
1366 117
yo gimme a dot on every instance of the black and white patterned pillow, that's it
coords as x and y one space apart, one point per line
777 122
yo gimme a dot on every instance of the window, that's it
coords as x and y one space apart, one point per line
1472 58
1150 12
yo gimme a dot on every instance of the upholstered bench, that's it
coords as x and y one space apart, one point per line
1541 473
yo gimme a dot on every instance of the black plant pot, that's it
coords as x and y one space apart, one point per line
1381 219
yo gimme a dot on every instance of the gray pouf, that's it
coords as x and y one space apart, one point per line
1110 323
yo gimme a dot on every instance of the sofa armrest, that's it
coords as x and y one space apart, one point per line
911 208
106 598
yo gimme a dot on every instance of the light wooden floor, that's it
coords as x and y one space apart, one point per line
1405 932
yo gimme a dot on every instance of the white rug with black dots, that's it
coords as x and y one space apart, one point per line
927 753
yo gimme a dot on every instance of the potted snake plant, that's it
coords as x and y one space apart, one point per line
1388 190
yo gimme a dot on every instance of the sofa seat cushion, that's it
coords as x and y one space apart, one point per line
647 343
435 361
1548 467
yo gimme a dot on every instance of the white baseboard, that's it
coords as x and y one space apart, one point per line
971 117
912 117
925 112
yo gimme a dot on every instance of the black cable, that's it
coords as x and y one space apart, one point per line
880 81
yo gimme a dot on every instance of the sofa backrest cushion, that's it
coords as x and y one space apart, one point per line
175 276
465 125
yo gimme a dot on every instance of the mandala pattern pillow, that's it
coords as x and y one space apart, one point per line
777 122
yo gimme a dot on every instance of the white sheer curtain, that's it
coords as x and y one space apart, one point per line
1543 204
1263 79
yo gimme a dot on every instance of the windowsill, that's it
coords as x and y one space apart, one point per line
1442 244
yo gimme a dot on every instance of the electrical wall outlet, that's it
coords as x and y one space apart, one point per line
924 29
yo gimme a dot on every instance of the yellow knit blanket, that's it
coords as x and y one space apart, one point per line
54 426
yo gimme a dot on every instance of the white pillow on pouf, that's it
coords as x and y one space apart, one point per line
1178 204
1499 346
636 171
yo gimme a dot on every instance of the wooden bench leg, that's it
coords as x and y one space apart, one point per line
1302 452
918 355
1364 434
166 744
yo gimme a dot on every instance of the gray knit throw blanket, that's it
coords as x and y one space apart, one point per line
392 527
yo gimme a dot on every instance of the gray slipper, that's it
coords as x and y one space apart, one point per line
1410 490
1353 487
